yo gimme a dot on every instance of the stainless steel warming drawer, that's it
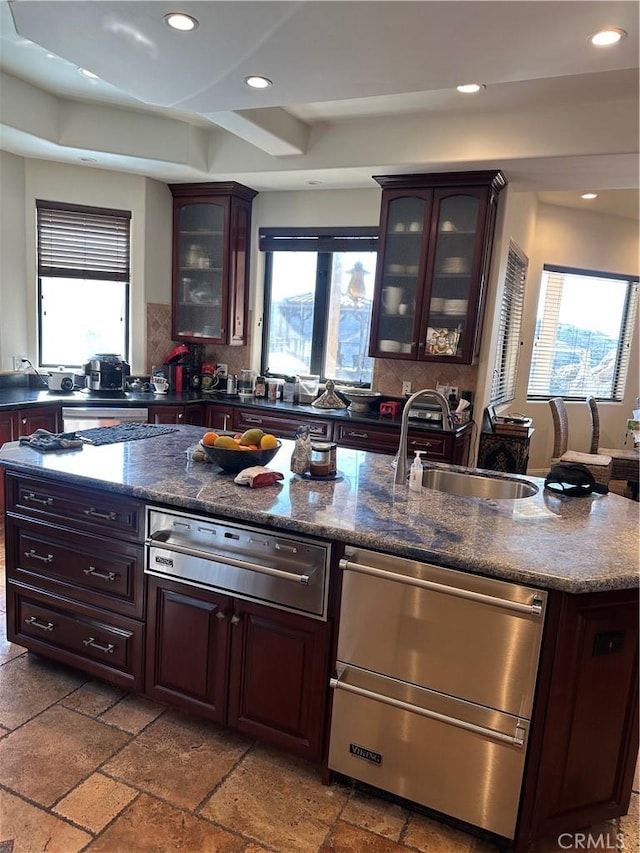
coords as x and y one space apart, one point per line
281 570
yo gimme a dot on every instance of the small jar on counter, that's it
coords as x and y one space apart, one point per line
323 459
260 388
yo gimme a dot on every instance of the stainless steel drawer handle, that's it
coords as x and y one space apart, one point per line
533 609
34 499
104 576
252 420
33 555
516 739
229 561
108 649
107 516
353 434
33 621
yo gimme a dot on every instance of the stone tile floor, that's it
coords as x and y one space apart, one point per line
85 766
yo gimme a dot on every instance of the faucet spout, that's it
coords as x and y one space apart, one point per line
401 464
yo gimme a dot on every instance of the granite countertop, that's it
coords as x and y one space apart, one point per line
23 397
586 544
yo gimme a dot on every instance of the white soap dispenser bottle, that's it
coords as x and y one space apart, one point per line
415 473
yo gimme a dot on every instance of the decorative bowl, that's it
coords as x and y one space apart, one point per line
234 461
360 399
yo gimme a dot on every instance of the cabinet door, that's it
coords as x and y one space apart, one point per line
188 647
219 418
404 225
455 279
8 432
175 415
278 678
43 417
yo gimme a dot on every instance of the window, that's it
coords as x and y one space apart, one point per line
317 302
83 283
583 334
505 373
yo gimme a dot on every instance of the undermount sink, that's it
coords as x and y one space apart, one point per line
477 486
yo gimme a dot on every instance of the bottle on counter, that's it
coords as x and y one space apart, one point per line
260 388
415 473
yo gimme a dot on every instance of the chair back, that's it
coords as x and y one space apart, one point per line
560 426
595 424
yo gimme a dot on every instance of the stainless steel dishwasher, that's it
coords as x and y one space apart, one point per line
434 687
281 570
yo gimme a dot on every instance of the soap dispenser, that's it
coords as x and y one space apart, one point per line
415 472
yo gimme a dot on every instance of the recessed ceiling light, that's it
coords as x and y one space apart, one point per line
471 88
180 21
258 82
589 196
606 37
86 73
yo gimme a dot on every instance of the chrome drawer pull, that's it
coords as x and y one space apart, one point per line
33 621
108 649
516 739
30 496
108 516
105 576
252 420
235 619
533 609
31 554
353 434
415 443
230 561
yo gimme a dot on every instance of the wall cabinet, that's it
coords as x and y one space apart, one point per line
75 583
436 238
176 415
259 669
211 243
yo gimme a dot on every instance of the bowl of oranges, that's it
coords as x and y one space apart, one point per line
233 452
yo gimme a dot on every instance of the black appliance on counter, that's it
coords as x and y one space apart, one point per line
106 373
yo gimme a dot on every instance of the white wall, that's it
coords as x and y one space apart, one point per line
13 275
150 206
574 238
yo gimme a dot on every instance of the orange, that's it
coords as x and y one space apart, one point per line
268 441
209 438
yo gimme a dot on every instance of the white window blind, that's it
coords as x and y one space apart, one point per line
80 242
584 329
505 373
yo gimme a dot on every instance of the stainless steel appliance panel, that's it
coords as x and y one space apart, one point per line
471 637
462 760
77 418
283 571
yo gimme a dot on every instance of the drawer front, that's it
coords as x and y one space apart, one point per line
104 644
98 571
436 446
283 427
365 437
89 509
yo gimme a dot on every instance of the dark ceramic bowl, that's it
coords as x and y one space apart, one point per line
235 461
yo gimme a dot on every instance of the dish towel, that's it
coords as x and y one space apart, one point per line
45 441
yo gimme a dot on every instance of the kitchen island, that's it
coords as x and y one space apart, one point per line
582 551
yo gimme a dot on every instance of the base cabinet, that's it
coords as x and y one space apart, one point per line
259 669
176 415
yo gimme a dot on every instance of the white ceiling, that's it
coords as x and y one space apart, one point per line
359 88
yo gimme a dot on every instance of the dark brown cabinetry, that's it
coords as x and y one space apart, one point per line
75 585
211 242
281 425
436 238
259 669
441 447
219 418
176 415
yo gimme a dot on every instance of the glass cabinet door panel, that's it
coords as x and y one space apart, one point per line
200 297
452 282
399 292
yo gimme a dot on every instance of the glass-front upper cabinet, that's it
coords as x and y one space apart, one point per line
436 235
211 225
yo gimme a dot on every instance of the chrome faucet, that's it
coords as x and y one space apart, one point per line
401 464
